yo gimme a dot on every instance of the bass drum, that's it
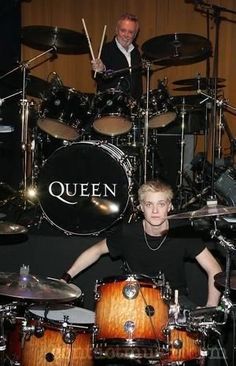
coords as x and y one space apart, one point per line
84 188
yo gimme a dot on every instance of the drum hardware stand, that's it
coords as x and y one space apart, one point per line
28 191
215 12
146 122
225 302
182 148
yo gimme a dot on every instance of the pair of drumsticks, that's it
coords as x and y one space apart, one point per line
90 45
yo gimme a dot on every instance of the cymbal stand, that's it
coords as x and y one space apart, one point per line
25 143
146 121
182 148
215 12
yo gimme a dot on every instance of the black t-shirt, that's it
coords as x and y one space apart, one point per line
128 243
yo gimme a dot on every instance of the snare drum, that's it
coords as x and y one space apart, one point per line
60 335
130 317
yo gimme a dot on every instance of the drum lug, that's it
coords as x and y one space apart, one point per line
39 331
129 327
68 336
27 331
166 292
97 295
95 329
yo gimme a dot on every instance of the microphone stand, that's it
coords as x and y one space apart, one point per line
26 167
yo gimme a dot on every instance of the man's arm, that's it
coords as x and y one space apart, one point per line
88 257
212 267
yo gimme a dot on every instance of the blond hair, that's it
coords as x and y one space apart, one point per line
155 186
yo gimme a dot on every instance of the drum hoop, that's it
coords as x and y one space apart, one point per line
126 277
56 324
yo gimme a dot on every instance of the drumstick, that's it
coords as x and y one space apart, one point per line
88 39
101 44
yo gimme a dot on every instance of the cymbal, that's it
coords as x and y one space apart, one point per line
8 228
177 49
192 88
208 210
26 286
201 83
220 279
191 102
193 82
36 87
43 37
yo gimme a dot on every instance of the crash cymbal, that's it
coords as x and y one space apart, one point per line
43 37
195 81
220 279
8 228
177 49
208 210
26 286
35 87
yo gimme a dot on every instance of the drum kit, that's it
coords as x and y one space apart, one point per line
63 153
136 318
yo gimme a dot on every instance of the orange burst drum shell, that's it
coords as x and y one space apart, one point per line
114 311
51 348
189 349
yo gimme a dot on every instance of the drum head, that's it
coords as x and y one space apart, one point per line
74 315
84 188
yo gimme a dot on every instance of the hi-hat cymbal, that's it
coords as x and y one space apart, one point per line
43 37
8 228
177 49
220 279
206 211
26 286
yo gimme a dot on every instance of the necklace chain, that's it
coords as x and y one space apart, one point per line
148 245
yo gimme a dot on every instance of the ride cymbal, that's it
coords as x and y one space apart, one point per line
208 210
26 286
65 41
177 49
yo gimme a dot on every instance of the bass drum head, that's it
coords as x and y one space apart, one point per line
84 188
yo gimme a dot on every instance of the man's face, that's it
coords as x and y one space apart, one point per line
155 207
126 31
